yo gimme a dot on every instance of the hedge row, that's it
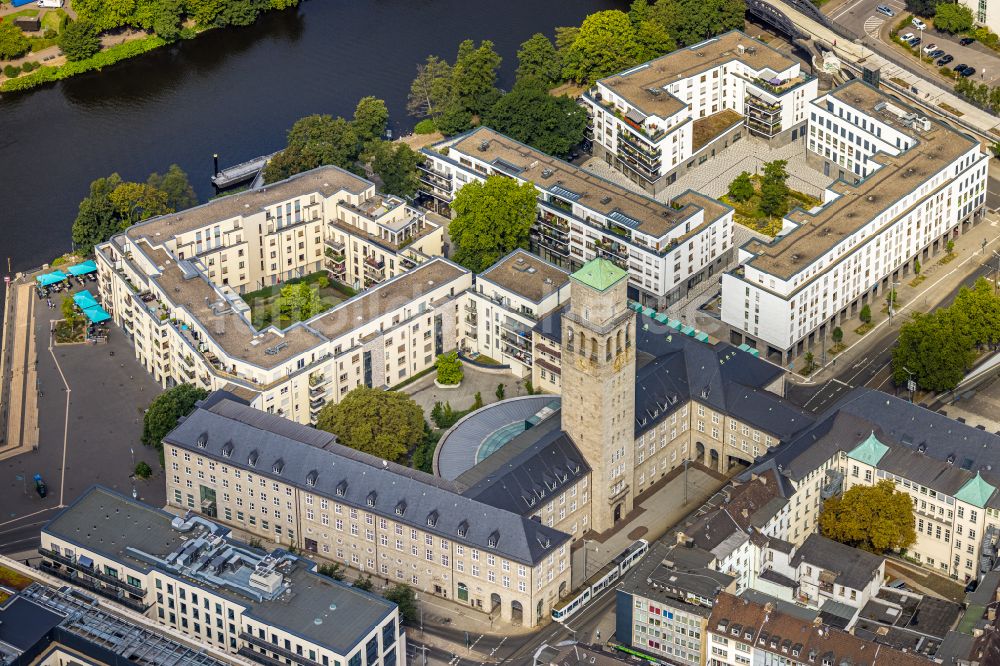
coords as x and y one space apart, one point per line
100 60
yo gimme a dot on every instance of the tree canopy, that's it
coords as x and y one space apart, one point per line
386 424
449 368
741 189
403 596
952 17
692 21
537 59
492 218
452 95
166 409
430 92
79 40
531 115
371 118
13 43
113 205
923 8
299 301
175 184
395 163
875 518
165 17
605 43
773 189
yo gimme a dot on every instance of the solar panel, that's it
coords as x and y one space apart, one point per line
622 218
564 193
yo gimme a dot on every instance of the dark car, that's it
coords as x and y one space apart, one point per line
945 59
935 53
958 69
40 486
915 42
967 72
965 41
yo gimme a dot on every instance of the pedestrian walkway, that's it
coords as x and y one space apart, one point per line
20 379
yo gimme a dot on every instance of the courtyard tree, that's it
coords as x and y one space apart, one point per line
176 186
299 301
875 518
166 410
604 44
537 59
449 369
403 596
13 43
143 470
395 163
492 218
79 40
531 115
952 17
774 189
741 189
386 424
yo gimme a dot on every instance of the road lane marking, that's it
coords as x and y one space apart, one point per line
62 477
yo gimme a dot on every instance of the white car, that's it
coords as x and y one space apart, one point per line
930 47
918 24
907 37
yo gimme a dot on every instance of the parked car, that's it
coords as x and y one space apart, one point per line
915 42
967 72
898 584
965 41
936 53
944 60
40 486
918 24
884 9
907 36
958 69
929 48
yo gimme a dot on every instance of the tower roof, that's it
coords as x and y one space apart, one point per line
869 451
599 274
976 492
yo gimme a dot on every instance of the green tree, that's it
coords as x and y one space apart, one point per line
950 247
371 118
314 141
809 361
79 40
477 401
979 310
866 314
166 410
875 518
365 583
166 17
395 163
741 189
453 120
605 43
68 309
97 220
473 78
143 470
430 92
135 202
449 369
916 267
386 424
692 21
501 391
654 41
299 301
13 43
423 456
175 184
774 190
639 12
492 218
334 571
952 17
923 8
936 347
537 59
838 335
240 12
531 115
403 596
106 14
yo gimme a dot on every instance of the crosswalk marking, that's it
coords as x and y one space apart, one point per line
872 25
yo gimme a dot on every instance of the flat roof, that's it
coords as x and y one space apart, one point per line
633 85
325 180
859 204
526 275
567 181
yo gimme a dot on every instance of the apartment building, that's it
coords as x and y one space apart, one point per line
173 286
906 185
188 574
742 632
659 120
295 485
663 609
500 312
667 248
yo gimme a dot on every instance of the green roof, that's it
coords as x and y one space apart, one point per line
976 492
869 451
599 274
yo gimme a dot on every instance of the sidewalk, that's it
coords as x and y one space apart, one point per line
912 295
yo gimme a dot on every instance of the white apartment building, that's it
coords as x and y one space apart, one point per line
906 185
188 574
666 248
507 301
173 285
656 121
985 12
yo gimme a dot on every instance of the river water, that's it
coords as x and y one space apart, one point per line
235 92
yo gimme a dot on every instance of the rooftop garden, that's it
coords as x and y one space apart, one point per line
285 303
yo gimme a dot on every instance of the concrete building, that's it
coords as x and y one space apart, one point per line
173 285
741 632
659 120
667 248
663 609
188 574
906 185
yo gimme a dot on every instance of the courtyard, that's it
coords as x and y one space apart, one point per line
265 308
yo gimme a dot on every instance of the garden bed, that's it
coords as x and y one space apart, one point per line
748 212
263 310
864 328
68 334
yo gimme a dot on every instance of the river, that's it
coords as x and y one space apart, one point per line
235 92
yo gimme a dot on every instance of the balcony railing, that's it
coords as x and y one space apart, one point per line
94 573
115 594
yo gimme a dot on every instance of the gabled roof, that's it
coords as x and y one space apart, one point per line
869 451
599 274
976 492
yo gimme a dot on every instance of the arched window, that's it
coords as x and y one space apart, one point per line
463 592
569 338
593 349
607 349
618 348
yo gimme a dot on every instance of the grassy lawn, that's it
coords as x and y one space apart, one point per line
52 19
262 302
22 13
748 212
917 280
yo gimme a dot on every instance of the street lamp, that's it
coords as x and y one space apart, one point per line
920 53
996 278
910 384
892 298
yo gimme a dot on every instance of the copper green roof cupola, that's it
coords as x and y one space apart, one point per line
599 274
869 451
976 492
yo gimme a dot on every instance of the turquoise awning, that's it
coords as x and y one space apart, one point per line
754 352
744 347
649 312
635 306
674 324
96 314
85 299
688 330
51 278
84 268
702 336
662 318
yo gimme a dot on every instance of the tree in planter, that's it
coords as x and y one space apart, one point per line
449 369
995 146
166 410
875 518
68 309
386 424
334 571
810 363
365 583
892 299
866 314
403 596
741 189
501 391
952 17
950 246
838 335
143 470
492 218
774 190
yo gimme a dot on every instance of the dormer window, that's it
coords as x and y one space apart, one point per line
278 465
342 488
494 539
311 478
463 528
432 519
252 460
202 440
372 496
401 508
227 449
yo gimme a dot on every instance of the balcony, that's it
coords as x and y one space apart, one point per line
277 649
318 379
335 246
641 151
371 263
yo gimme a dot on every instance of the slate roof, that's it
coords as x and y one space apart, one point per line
307 452
854 567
